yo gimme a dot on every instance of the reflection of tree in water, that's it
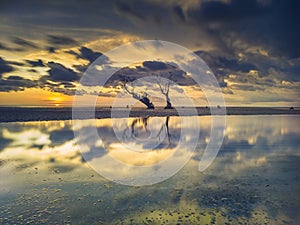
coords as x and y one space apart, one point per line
167 130
139 126
138 129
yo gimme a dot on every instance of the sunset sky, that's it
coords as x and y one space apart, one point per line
252 46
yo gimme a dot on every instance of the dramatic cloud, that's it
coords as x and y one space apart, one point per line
250 45
39 63
60 79
15 63
85 53
179 14
24 43
152 65
3 47
4 67
15 83
88 54
58 72
151 68
237 23
222 64
224 25
61 40
51 49
229 26
125 9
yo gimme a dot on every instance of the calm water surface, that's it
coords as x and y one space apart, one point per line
255 178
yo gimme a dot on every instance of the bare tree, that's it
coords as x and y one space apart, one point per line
143 98
164 86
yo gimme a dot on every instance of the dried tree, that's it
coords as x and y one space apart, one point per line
143 98
164 86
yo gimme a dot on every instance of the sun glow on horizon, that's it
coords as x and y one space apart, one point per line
58 100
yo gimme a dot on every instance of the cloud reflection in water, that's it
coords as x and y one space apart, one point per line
257 164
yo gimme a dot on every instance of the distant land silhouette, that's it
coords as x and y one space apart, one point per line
22 114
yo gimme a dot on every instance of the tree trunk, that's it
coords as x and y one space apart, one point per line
169 105
145 100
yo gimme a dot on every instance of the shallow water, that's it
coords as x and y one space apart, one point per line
254 179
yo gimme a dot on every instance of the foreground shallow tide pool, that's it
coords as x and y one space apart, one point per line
254 179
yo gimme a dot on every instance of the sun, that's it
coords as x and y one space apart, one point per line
56 100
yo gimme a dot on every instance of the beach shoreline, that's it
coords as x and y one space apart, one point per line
19 114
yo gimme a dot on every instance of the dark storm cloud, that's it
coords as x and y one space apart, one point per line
72 52
88 54
269 69
15 83
16 63
24 43
5 67
60 79
81 68
62 23
245 87
51 49
127 10
229 26
63 90
129 74
222 64
61 40
223 30
151 68
37 63
179 14
64 87
58 72
272 26
154 65
32 70
67 84
4 47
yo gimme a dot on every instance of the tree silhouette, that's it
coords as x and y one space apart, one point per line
143 98
164 86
